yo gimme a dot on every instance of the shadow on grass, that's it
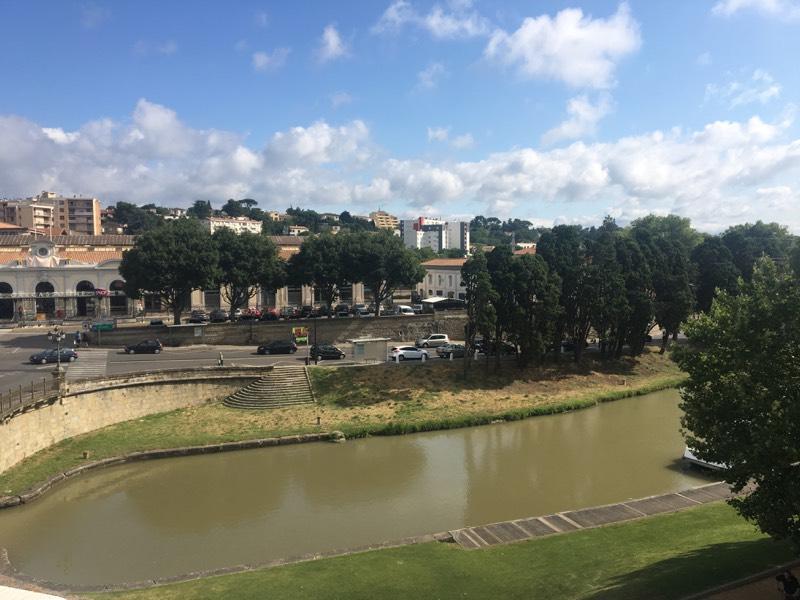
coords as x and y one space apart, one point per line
696 571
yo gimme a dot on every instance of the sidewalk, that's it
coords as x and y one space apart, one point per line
7 593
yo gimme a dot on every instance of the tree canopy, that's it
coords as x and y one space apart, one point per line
321 263
247 261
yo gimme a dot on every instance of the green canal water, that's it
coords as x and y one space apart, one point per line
168 517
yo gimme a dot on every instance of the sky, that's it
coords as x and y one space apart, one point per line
551 111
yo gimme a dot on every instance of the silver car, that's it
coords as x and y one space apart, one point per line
408 353
432 341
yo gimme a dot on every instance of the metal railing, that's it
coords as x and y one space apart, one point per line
27 394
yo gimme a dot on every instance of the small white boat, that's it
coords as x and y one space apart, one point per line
691 458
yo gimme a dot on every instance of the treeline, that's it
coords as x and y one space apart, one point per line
180 256
611 282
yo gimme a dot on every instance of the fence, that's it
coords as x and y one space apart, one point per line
26 394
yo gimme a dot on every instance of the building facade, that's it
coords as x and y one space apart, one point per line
443 279
384 220
434 233
237 224
51 212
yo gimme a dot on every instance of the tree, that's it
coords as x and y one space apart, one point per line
741 403
639 294
234 208
609 310
480 296
171 261
135 220
500 263
536 293
247 262
201 209
714 269
321 263
381 262
749 242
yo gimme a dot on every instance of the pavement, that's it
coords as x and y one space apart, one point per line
8 593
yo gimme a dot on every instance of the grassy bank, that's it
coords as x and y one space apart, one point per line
668 556
378 400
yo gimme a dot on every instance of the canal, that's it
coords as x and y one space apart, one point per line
173 516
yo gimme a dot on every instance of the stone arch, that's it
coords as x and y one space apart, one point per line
118 300
85 305
6 304
45 302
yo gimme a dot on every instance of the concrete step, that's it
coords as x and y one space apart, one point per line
281 387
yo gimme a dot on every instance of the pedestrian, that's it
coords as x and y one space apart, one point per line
790 585
221 360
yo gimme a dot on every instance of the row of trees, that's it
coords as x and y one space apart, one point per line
180 256
616 282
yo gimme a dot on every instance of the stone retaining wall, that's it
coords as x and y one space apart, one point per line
95 403
328 331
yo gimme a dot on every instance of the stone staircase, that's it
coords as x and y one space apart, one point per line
283 386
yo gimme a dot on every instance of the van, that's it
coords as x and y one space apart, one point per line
404 311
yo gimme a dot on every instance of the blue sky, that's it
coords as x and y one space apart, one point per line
552 111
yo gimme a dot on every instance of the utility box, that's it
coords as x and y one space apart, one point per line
369 350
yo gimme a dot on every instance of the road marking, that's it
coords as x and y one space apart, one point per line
90 363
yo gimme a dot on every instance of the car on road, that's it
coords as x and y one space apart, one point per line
417 308
218 316
198 316
51 356
278 347
289 312
491 348
454 350
156 322
342 310
250 314
145 347
361 310
408 353
432 341
326 351
269 314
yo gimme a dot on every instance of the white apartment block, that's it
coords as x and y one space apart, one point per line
237 224
434 233
443 279
49 210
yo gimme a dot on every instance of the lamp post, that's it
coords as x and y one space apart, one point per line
57 335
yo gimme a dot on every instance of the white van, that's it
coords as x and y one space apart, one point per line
404 311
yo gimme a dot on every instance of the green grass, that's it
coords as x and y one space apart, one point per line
662 557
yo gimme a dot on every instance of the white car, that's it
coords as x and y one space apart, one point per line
433 340
408 353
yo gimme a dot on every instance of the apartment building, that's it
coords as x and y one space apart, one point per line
435 233
76 215
27 214
237 224
384 220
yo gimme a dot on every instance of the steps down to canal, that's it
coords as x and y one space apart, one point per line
283 386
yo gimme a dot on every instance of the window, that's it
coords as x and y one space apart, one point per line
462 296
441 280
430 292
450 280
450 295
438 292
430 278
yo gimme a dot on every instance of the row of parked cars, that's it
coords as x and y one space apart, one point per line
295 312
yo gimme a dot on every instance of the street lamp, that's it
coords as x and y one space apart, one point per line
57 335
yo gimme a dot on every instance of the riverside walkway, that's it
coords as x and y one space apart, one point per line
518 530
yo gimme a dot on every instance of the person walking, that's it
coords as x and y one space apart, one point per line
221 360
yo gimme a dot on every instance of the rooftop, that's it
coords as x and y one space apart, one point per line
69 240
445 262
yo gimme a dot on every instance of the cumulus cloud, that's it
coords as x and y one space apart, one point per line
719 174
438 134
571 47
331 45
759 88
430 76
459 142
459 22
787 9
266 61
582 120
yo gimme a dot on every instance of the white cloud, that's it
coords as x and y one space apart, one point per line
429 77
719 174
463 142
438 134
582 121
340 99
759 88
787 9
146 47
331 45
460 22
442 134
571 47
265 61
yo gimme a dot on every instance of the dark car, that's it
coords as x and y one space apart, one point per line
145 347
250 314
269 314
325 351
51 356
278 347
289 312
492 348
198 316
156 322
342 310
456 350
218 316
307 312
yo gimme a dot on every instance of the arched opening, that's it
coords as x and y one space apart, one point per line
45 302
118 300
6 303
86 304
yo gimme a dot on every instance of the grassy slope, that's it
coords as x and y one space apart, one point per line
667 556
383 399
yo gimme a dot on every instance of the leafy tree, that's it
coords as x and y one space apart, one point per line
452 253
270 227
536 293
673 295
381 262
247 262
248 203
135 220
500 263
201 209
639 294
321 263
171 261
480 296
609 310
671 227
234 208
749 242
714 269
424 253
741 403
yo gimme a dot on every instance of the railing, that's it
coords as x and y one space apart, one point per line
24 395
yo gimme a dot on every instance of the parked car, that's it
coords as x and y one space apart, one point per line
218 316
278 347
360 310
250 314
307 312
324 351
491 348
456 350
342 310
404 311
156 322
236 314
289 312
417 308
268 314
145 347
432 341
198 316
51 356
408 353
